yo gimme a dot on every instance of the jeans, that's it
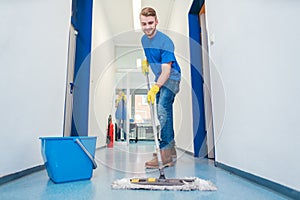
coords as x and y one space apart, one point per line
164 101
121 125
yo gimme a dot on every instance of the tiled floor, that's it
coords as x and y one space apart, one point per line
124 161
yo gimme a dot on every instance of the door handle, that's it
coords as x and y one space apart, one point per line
71 88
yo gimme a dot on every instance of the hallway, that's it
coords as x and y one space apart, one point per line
124 161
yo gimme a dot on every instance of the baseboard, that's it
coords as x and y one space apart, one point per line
101 147
185 151
281 189
20 174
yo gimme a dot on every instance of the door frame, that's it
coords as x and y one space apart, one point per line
199 107
207 85
70 82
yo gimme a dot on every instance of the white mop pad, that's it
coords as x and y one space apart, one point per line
198 184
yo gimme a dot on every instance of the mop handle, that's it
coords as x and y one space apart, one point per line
160 163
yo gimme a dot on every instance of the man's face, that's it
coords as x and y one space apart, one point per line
148 25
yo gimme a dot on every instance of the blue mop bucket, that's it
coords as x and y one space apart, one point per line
69 158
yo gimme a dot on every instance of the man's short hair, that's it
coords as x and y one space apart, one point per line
148 11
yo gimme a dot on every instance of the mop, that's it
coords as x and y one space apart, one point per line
162 183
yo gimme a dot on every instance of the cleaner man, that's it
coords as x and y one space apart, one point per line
159 51
120 114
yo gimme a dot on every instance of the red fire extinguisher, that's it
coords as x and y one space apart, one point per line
110 133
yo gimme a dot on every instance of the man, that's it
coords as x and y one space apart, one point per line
159 51
120 114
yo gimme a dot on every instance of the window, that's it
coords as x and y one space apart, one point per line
142 110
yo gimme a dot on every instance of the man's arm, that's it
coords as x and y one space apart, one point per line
165 73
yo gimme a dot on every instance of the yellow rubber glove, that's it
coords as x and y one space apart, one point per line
145 67
152 93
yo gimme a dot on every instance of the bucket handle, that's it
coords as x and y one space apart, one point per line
87 153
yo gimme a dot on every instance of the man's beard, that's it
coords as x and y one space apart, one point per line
150 32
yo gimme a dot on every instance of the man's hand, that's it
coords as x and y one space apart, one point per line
145 67
152 93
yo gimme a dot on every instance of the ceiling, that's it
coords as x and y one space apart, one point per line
120 17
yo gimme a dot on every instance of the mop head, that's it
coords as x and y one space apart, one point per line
185 184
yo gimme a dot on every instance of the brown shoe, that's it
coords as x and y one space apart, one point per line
166 160
173 154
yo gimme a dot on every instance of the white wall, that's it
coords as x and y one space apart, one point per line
178 31
33 63
256 54
102 78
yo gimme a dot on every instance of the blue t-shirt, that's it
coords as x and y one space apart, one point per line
159 50
121 110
